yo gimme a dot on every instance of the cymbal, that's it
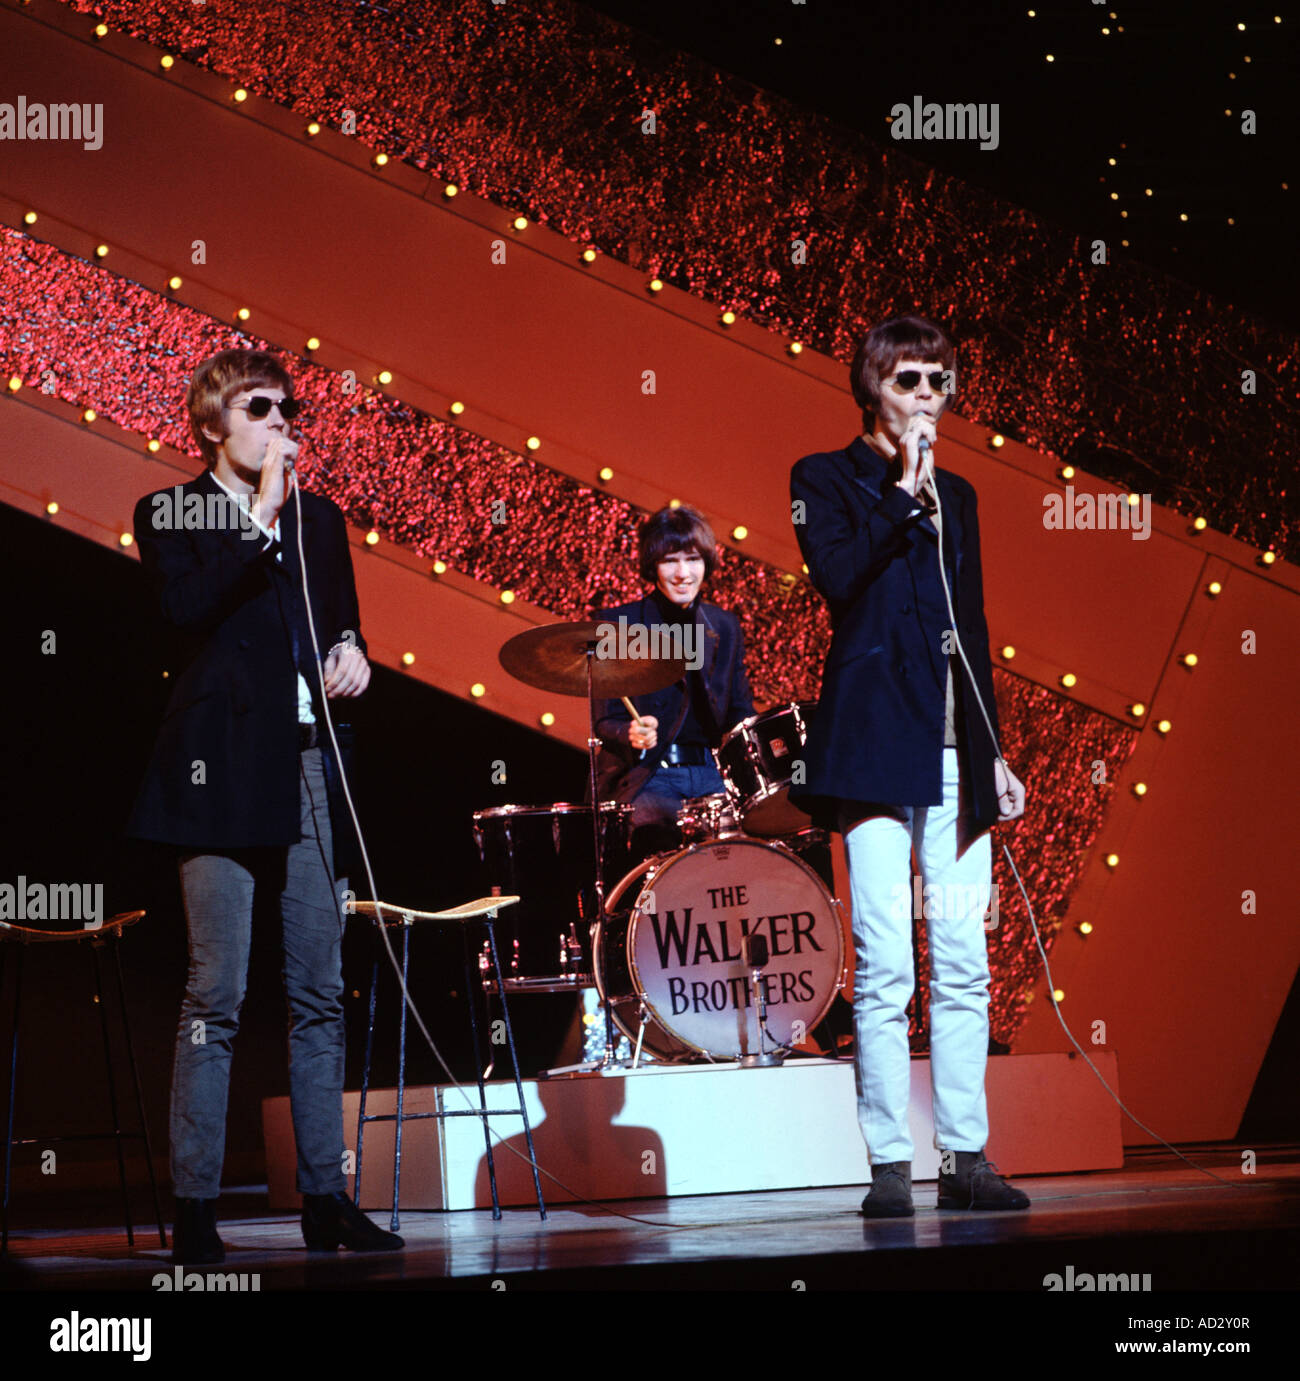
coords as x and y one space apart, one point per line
554 658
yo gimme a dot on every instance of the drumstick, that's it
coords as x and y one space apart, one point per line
631 709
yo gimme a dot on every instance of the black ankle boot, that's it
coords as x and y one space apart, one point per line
194 1234
975 1184
333 1220
890 1195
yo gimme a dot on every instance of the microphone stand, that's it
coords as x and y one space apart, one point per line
754 954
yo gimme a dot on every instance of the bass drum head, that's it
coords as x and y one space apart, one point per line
677 953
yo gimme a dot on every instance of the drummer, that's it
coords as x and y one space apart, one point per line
662 757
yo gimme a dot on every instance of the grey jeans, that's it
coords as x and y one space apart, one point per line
218 891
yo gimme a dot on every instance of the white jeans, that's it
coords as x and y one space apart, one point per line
956 896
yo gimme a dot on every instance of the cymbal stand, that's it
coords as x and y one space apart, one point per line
610 1061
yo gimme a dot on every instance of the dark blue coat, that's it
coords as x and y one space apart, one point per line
620 771
877 735
235 611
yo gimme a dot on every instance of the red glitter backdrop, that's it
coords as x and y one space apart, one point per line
1134 377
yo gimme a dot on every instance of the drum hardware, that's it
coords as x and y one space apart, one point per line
754 955
756 760
562 658
544 854
640 1035
702 818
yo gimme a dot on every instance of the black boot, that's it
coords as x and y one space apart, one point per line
333 1220
890 1195
976 1184
194 1234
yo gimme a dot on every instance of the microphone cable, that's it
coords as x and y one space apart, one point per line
1051 984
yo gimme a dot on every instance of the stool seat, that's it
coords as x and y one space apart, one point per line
25 935
466 911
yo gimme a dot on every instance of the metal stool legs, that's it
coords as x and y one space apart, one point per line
135 1084
514 1064
112 1096
365 1081
483 1112
401 1078
96 941
478 1070
13 1085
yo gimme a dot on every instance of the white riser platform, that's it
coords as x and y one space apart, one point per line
669 1130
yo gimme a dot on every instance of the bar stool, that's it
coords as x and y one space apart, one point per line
94 938
485 909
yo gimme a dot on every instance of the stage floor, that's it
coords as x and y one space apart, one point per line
1158 1215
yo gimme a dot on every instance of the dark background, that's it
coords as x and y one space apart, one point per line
1153 97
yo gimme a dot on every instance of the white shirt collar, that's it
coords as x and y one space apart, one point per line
245 501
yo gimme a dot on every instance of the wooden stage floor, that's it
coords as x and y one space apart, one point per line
1158 1215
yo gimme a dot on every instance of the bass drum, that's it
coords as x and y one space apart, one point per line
674 927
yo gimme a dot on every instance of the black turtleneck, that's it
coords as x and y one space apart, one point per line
699 727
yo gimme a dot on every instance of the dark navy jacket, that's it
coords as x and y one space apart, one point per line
620 772
237 614
878 732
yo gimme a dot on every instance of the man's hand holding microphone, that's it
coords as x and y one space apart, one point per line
276 480
916 446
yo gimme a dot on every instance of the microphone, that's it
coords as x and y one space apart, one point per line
290 466
754 953
926 477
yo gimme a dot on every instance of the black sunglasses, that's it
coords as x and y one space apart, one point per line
911 378
261 407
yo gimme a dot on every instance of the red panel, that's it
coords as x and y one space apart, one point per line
1188 986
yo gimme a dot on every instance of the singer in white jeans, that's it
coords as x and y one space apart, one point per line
958 886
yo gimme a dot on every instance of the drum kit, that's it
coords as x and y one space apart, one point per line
727 948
